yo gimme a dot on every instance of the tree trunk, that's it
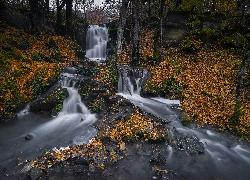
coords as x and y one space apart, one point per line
69 18
33 15
235 119
58 15
149 10
122 21
136 39
161 17
47 6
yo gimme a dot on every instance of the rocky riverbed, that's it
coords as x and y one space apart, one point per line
164 149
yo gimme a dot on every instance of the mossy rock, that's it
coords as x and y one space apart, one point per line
185 119
51 104
235 40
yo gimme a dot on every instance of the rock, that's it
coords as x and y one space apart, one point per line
80 54
189 144
27 167
125 102
98 90
113 98
80 160
144 149
28 137
35 173
91 168
158 159
80 169
108 172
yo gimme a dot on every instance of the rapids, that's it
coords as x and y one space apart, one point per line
71 127
225 157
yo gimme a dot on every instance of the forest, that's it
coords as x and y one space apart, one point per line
191 51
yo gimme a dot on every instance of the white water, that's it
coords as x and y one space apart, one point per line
96 43
225 156
71 127
74 113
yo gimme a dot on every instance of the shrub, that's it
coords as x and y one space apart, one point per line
51 44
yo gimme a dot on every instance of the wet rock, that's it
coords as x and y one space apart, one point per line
91 168
80 169
189 144
35 173
158 159
80 160
49 102
108 172
98 90
144 149
80 54
27 167
126 102
28 137
1 169
113 98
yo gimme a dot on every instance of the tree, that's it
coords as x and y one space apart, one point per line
122 22
69 18
59 8
136 39
33 17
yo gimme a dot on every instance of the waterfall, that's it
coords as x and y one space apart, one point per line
73 103
131 79
96 42
73 114
130 83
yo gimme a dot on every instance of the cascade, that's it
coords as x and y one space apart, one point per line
131 79
221 150
96 42
73 113
71 127
130 82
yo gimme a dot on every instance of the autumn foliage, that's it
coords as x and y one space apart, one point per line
29 63
209 78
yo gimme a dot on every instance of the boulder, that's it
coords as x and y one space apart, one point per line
28 137
189 144
158 159
35 173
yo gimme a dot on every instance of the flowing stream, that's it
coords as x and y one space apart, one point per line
224 157
70 127
96 43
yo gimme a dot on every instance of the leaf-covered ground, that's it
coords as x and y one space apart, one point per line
207 81
29 64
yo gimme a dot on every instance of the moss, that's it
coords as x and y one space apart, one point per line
169 88
59 95
23 44
16 74
3 60
97 105
8 48
185 119
235 119
14 55
52 44
25 60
